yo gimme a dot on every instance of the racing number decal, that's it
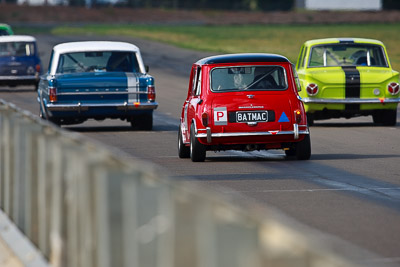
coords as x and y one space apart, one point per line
220 116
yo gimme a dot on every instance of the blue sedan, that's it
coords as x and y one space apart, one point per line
97 80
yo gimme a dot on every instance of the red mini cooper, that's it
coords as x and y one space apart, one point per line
243 102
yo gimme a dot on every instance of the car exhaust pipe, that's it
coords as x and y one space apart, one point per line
251 147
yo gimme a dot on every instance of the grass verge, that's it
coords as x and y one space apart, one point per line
279 39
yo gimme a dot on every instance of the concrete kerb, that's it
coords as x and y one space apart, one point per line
15 249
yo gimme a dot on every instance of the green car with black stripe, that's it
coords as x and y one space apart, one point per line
348 77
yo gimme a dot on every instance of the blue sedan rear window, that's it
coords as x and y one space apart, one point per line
98 61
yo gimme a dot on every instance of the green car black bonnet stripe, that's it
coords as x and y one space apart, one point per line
353 86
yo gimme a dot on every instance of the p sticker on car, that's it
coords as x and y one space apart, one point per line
220 116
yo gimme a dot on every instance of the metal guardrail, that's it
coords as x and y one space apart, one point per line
81 205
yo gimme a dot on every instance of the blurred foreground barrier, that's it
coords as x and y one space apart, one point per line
81 205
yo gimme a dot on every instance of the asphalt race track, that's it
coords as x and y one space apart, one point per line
350 188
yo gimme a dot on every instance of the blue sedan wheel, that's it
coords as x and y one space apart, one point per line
143 121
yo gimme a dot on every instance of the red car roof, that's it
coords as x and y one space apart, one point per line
237 58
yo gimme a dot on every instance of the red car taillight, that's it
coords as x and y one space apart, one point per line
151 93
53 94
312 89
204 119
297 116
393 88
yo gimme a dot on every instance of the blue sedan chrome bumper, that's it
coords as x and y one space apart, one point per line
86 106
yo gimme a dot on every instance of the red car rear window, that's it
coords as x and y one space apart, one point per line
240 78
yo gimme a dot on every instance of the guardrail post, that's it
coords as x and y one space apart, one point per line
8 161
165 227
86 213
57 247
147 221
130 215
206 236
3 142
2 159
71 178
45 156
184 228
103 257
31 174
16 166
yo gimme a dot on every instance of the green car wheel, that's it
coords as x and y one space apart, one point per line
385 117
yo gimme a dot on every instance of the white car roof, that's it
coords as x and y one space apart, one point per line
17 38
90 46
94 46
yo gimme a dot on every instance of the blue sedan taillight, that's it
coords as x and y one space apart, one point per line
151 93
53 94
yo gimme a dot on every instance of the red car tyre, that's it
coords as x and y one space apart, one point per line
197 150
183 151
